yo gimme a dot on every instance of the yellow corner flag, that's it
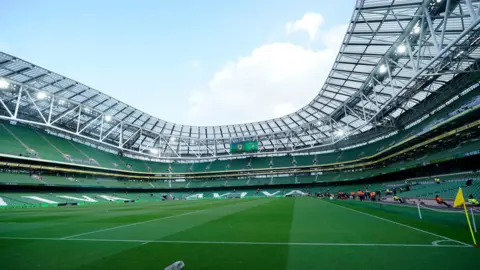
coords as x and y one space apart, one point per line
459 201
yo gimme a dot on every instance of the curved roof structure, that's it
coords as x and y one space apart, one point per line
395 53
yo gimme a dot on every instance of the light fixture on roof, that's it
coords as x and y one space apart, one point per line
108 118
416 29
61 102
154 151
41 95
339 133
172 139
87 110
401 48
4 84
382 69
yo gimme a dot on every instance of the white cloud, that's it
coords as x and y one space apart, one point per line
333 37
310 23
274 80
282 109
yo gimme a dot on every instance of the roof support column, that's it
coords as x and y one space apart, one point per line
17 106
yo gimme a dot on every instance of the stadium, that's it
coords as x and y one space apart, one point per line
365 176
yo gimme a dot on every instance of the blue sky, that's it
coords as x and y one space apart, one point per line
191 62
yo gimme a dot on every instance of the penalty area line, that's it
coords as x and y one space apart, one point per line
143 242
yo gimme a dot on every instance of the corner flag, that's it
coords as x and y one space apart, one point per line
459 199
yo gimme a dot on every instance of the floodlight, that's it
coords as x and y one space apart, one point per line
172 139
339 133
154 151
416 29
401 49
382 69
108 118
61 102
87 110
4 84
41 95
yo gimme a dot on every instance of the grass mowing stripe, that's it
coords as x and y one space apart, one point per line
233 243
400 224
234 223
132 224
161 218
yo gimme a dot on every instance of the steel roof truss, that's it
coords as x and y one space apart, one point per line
36 107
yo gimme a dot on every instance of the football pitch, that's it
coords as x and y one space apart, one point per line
266 233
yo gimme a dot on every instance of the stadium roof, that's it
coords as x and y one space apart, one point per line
395 53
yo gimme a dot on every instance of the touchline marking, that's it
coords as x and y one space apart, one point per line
401 224
235 243
132 224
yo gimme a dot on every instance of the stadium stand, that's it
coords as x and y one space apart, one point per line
426 187
27 141
397 119
346 176
39 157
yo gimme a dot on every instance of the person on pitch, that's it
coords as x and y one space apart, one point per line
398 199
359 195
441 201
472 200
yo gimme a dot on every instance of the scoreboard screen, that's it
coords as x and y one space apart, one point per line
243 147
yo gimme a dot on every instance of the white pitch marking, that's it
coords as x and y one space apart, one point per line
132 224
436 243
407 226
233 243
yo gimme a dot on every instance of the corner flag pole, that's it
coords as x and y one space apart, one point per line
459 200
469 225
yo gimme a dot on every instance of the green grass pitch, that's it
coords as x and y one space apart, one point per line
269 233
